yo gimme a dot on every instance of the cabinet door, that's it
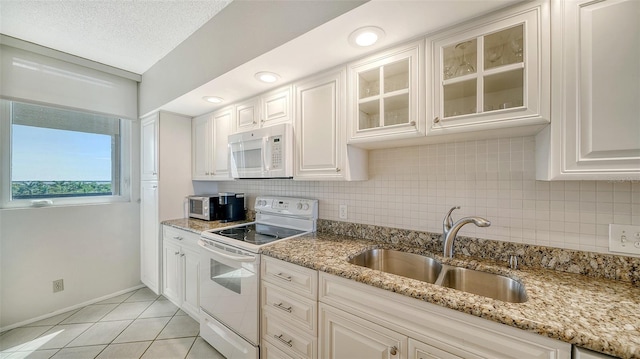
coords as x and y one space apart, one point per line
201 137
171 272
149 147
247 115
385 99
221 123
191 281
595 134
343 335
276 107
149 236
492 74
419 350
319 122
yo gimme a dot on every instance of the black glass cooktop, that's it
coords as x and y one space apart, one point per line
258 233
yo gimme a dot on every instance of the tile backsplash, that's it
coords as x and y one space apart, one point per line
413 188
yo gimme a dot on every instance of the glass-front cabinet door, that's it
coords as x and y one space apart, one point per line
384 95
490 75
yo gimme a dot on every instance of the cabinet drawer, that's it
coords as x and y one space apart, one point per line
179 236
269 351
300 280
290 307
289 339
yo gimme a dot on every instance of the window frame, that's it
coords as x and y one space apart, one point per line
121 172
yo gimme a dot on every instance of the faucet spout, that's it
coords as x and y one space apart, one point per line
451 230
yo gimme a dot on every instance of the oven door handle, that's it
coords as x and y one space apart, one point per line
202 244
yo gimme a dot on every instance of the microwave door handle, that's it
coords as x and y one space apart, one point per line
202 244
266 154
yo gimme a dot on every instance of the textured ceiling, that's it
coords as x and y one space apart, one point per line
128 34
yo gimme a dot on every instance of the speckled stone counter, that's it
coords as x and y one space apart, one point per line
197 225
594 313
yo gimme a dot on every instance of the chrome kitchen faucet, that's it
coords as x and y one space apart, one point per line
450 229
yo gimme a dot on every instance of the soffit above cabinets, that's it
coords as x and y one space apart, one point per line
327 45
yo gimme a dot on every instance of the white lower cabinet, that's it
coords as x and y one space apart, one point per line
306 314
346 336
361 321
289 300
419 350
181 269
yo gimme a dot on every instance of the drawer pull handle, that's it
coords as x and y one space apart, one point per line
178 238
393 350
280 306
286 342
284 277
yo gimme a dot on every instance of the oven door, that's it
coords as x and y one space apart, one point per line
229 288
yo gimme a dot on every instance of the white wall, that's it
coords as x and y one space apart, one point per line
95 249
413 187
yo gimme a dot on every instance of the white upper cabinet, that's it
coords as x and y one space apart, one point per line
491 73
247 115
321 149
149 147
595 128
277 107
268 109
209 138
385 95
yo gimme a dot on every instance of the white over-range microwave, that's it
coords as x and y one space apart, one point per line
262 153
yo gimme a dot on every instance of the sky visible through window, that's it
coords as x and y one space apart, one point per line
44 154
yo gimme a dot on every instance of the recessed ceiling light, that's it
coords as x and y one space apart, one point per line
213 99
268 77
366 36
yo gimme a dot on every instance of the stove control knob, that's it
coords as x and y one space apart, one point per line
305 206
299 206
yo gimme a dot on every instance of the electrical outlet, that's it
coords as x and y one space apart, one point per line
58 285
624 238
343 211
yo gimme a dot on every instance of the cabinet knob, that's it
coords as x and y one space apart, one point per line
178 238
436 120
176 253
338 170
412 123
155 173
393 350
181 254
154 186
254 122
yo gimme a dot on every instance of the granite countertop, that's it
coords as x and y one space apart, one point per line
197 225
594 313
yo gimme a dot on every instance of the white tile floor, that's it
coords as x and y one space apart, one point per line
134 325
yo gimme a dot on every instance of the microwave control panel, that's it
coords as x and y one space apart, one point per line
276 152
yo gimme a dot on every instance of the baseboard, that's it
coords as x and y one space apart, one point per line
76 306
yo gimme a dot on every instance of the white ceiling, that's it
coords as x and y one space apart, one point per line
133 35
130 35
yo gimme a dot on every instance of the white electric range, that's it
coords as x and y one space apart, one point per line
230 272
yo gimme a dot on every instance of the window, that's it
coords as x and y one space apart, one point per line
59 156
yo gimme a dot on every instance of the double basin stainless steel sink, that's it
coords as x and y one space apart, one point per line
429 270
